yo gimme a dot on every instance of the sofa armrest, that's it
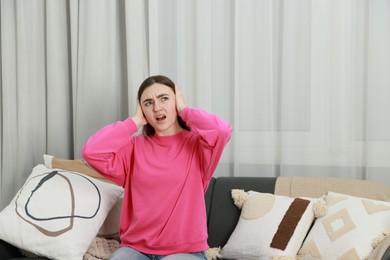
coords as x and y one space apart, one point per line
8 251
383 250
386 256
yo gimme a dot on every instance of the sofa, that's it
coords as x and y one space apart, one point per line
223 215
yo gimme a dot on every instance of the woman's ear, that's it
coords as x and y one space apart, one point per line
180 101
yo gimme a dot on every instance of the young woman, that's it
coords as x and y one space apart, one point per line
165 172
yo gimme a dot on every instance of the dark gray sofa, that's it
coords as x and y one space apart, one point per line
221 212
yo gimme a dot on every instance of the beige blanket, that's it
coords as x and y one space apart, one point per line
101 249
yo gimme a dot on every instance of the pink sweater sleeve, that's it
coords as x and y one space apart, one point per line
109 150
215 133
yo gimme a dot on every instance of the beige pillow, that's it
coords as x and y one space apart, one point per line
110 227
57 213
269 226
348 229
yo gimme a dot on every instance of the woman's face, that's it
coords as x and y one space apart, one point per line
158 102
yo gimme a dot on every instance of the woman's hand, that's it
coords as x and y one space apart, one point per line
180 101
139 118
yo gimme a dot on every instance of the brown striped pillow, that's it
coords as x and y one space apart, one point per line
269 226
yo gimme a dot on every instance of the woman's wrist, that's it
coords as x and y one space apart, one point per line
139 122
180 109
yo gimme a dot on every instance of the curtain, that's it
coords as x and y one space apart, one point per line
305 83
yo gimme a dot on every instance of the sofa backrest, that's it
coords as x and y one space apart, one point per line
222 214
315 187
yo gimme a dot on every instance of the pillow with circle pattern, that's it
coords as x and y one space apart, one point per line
57 213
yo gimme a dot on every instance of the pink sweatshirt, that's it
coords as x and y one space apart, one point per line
165 178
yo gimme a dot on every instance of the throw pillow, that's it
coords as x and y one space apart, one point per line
57 213
348 230
269 226
110 227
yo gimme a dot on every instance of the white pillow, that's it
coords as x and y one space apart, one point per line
348 229
269 226
110 227
57 213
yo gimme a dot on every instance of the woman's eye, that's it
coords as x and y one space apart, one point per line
146 104
164 98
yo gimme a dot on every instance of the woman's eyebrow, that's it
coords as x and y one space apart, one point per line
159 96
147 100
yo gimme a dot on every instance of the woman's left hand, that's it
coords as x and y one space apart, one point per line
180 101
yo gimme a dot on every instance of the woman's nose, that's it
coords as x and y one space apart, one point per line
157 106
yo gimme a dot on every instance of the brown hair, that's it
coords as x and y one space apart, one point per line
148 130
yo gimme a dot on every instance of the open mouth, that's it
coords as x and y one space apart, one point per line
160 118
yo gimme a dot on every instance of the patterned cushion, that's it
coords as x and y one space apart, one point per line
57 213
269 225
348 229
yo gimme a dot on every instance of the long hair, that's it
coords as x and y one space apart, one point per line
148 130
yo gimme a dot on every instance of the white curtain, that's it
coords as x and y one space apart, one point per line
305 83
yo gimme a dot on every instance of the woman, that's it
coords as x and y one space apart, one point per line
164 171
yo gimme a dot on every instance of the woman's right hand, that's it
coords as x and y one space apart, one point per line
139 118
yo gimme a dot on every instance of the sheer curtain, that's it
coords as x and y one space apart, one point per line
305 83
